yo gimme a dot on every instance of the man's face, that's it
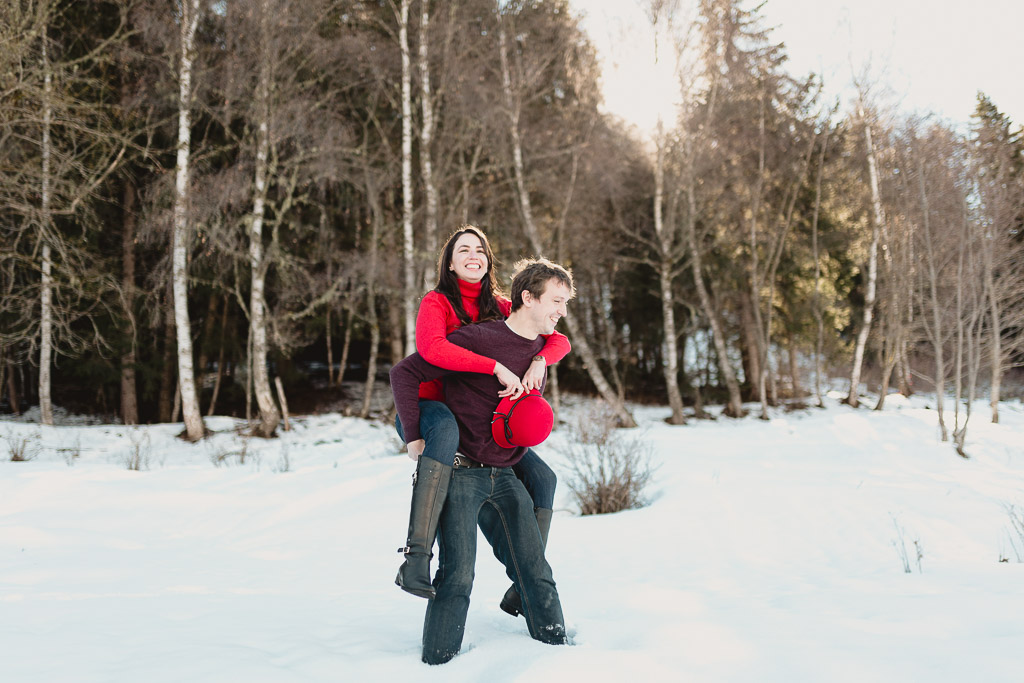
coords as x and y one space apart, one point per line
550 307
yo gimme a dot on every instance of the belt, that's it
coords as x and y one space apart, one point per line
461 461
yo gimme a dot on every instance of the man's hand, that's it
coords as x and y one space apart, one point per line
534 377
416 448
513 387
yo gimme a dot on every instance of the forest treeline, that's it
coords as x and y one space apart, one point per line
203 201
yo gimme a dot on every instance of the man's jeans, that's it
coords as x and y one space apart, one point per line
497 500
440 431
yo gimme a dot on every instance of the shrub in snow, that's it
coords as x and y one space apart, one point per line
608 468
137 456
22 447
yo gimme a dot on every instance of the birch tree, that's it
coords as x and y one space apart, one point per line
877 221
46 303
408 245
430 228
269 414
579 341
195 429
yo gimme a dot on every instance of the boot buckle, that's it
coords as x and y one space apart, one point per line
404 550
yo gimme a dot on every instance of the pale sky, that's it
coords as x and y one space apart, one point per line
933 56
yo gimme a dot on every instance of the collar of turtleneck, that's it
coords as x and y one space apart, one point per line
470 290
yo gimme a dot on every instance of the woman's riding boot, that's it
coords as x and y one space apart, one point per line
429 490
512 603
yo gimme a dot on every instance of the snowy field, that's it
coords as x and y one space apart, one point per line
770 552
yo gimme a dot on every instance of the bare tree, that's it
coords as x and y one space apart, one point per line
269 414
533 235
430 229
408 245
194 427
46 314
877 221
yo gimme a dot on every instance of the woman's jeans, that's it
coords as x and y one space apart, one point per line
440 431
496 500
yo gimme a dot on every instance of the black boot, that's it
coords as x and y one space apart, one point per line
512 603
429 490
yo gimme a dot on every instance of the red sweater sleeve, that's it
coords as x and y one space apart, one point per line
556 347
434 322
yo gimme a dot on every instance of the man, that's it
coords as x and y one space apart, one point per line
483 488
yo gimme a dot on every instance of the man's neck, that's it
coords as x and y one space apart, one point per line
521 326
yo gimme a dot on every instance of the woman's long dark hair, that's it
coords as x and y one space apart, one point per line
448 281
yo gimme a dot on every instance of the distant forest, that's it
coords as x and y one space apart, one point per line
209 206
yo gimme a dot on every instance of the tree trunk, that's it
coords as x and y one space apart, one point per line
670 360
46 304
269 416
735 405
12 390
205 344
752 354
346 344
995 327
194 427
408 246
168 380
878 218
936 306
220 359
129 397
373 322
579 341
426 140
794 368
395 338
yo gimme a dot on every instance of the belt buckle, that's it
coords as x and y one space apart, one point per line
462 461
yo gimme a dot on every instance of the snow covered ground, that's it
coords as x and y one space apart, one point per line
770 552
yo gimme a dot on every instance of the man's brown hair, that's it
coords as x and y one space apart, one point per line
532 275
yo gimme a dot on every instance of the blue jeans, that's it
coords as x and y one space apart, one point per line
440 431
496 500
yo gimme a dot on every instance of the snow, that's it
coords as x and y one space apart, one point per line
769 552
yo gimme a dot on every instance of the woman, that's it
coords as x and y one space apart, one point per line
466 293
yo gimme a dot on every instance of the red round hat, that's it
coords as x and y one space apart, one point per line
524 422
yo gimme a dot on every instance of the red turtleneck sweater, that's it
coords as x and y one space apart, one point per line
436 320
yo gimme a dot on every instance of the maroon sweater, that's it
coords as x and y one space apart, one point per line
472 396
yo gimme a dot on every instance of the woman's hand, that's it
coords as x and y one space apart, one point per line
416 448
534 377
513 387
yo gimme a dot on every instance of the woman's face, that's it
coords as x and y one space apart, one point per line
469 258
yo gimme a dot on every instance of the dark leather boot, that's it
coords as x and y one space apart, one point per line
512 603
429 490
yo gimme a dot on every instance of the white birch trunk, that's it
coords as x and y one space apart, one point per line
579 341
194 427
670 362
46 298
408 252
269 415
426 139
878 218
